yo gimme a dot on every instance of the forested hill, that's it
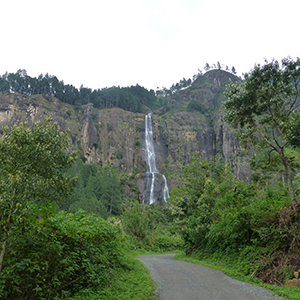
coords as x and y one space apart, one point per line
128 98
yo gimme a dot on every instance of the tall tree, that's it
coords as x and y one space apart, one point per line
207 67
32 167
265 109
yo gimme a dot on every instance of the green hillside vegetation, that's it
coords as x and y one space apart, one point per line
71 230
251 227
133 98
129 98
98 191
49 253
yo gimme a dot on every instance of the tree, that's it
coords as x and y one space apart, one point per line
32 168
135 219
265 109
207 67
233 71
192 205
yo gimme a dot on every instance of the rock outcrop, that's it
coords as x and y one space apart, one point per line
114 137
89 137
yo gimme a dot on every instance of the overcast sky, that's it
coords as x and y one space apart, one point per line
153 43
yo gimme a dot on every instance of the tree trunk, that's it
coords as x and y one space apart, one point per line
288 176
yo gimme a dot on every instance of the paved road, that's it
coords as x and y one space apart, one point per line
180 280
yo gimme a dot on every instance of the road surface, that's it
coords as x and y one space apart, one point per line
180 280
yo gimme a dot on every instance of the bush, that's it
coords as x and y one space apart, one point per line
59 256
149 227
198 106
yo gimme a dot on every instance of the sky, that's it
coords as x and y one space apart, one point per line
153 43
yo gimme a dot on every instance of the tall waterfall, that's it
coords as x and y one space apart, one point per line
155 184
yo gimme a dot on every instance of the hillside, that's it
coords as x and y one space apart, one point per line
241 218
189 122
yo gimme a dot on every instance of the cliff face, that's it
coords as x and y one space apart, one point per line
114 137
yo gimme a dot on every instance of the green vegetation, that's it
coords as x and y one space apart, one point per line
265 109
68 231
131 282
195 105
97 191
253 227
58 255
51 254
186 83
231 268
149 227
32 163
128 98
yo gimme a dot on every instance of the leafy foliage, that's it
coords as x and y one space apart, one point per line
198 106
98 191
32 165
253 225
192 204
265 109
149 227
60 255
128 98
131 282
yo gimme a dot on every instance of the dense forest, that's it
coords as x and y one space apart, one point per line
67 227
128 98
131 98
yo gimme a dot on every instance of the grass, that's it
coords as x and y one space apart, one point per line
132 282
231 269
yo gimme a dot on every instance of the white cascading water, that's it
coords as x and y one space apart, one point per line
151 164
166 194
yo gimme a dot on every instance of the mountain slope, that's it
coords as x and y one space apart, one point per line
189 123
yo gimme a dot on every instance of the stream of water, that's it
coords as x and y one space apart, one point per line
151 166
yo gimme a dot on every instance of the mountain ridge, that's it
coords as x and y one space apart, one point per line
188 123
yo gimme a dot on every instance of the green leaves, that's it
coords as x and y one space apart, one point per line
265 108
267 90
60 255
193 204
32 165
149 227
33 160
98 191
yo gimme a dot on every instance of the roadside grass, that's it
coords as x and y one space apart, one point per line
231 269
132 282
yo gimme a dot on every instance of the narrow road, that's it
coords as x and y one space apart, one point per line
180 280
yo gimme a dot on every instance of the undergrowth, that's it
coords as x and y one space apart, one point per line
131 282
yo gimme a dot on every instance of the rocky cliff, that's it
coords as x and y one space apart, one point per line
189 123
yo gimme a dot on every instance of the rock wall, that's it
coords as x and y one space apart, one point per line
114 137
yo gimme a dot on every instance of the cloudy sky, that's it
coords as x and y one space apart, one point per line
155 43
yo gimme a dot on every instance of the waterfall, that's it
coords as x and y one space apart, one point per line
153 176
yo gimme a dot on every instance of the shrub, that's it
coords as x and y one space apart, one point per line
59 256
149 227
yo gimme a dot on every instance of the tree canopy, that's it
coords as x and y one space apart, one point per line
98 191
32 168
265 109
128 98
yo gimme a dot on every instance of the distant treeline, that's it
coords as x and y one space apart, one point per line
128 98
183 83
